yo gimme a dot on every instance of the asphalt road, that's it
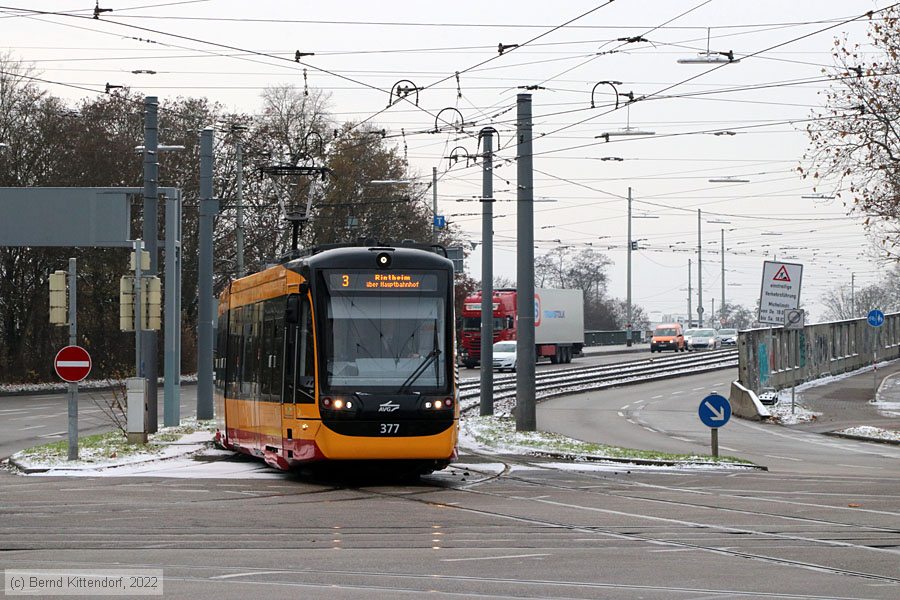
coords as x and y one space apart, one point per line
494 526
662 415
26 421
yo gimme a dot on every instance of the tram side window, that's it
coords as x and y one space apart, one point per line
221 339
234 354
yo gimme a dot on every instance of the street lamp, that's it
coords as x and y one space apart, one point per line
710 57
705 58
627 130
728 179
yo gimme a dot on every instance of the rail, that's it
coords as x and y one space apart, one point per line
560 382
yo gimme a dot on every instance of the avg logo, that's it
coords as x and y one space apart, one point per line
782 275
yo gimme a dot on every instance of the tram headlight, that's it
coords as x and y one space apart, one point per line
338 404
383 260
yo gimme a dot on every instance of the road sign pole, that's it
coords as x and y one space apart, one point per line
714 412
73 341
796 366
876 320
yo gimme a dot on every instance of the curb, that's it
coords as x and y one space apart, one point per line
862 438
26 470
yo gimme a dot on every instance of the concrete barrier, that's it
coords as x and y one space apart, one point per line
745 404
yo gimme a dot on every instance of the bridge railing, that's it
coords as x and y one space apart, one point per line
779 358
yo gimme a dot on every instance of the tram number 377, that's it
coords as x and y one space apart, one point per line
389 428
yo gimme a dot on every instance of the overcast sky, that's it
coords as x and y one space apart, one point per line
363 48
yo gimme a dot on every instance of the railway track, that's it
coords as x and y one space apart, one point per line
550 384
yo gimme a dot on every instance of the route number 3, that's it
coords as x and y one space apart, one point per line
387 428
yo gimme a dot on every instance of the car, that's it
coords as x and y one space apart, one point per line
728 337
688 333
667 337
704 339
768 396
505 356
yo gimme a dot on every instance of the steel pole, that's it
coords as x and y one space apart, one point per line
689 295
172 341
487 277
209 208
434 227
526 416
722 308
73 341
699 274
239 200
150 233
628 315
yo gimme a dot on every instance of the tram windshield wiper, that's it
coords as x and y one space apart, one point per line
429 358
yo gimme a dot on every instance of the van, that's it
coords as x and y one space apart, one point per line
667 337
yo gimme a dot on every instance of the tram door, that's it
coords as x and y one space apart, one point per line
298 395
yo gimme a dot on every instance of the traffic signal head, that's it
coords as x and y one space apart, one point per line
58 305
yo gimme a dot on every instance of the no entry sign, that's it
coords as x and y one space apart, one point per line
72 364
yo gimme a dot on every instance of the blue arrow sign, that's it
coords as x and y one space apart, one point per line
875 318
714 410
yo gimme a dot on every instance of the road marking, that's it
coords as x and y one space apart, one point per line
620 414
649 428
32 427
57 434
783 457
683 439
697 389
676 393
626 406
655 397
494 557
729 449
859 467
247 574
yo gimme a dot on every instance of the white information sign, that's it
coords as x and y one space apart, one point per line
780 291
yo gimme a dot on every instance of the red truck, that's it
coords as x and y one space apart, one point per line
558 326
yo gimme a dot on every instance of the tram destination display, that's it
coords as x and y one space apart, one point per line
381 281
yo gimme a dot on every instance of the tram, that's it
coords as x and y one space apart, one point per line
345 354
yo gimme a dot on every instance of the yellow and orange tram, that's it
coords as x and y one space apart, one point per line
342 355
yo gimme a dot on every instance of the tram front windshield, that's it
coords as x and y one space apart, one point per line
392 341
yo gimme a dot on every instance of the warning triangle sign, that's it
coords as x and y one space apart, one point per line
781 275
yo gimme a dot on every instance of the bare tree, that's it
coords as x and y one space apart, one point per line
855 138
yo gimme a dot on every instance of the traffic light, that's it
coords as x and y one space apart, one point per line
58 305
145 260
152 299
126 303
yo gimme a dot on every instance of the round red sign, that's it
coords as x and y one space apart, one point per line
72 364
